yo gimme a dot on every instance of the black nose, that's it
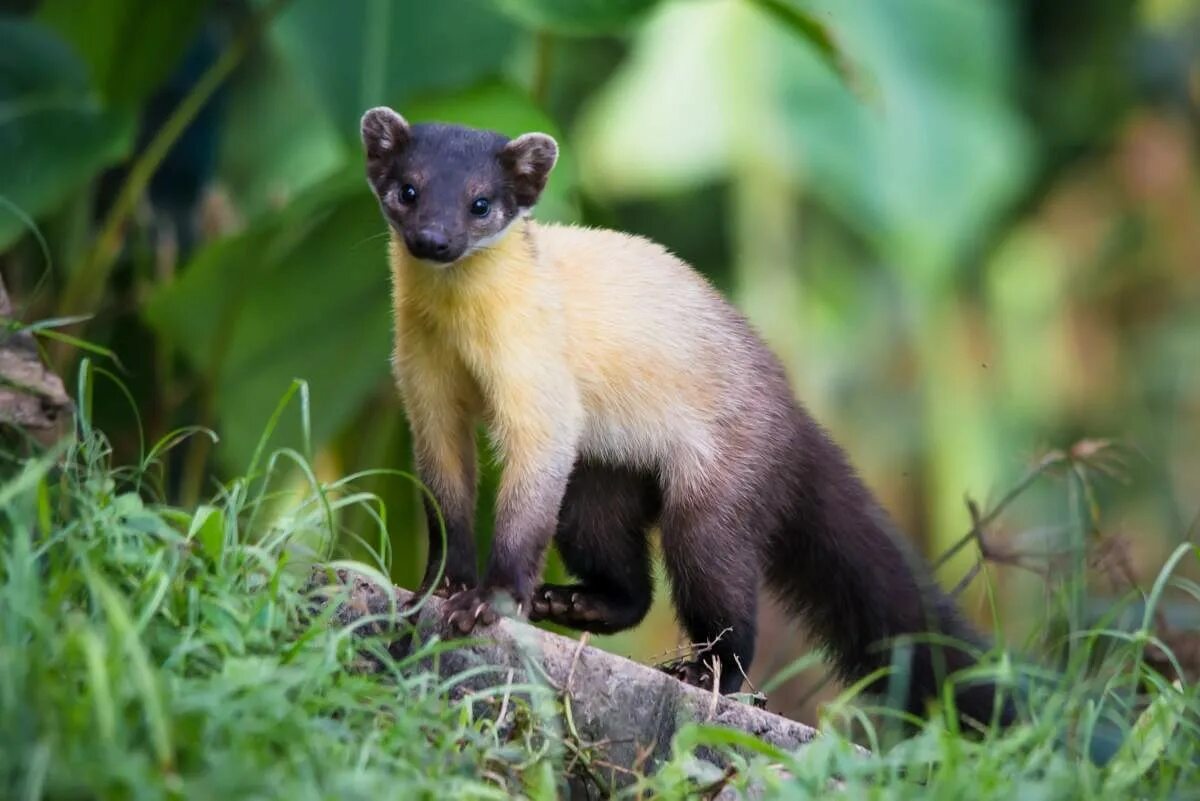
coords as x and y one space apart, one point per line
430 244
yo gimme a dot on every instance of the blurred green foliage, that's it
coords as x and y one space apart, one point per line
971 229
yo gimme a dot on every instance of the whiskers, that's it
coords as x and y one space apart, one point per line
381 235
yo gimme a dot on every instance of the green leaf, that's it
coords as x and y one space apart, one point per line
579 17
130 46
277 138
936 154
668 118
805 24
363 54
122 627
1148 739
541 783
54 134
208 528
920 162
301 294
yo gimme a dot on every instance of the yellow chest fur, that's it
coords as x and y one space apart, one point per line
593 335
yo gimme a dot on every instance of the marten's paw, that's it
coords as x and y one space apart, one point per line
448 587
569 606
696 672
470 608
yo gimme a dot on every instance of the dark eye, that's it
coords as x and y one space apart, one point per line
408 194
480 206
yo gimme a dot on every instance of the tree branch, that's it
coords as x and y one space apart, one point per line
631 709
31 396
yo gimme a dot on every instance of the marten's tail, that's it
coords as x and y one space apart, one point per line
839 565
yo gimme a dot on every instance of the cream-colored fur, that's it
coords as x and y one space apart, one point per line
569 342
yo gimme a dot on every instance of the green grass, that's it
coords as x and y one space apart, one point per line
149 651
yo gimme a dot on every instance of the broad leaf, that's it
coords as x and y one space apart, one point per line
360 53
301 294
130 46
805 23
920 161
938 149
667 119
277 139
582 17
208 528
54 134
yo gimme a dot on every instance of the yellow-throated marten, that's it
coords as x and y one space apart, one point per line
623 392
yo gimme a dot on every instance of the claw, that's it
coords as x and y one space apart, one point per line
469 608
696 673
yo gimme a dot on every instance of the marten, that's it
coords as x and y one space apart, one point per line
623 393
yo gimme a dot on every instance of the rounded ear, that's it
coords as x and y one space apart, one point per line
528 160
384 132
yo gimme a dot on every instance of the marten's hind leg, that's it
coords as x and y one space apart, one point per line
712 564
602 537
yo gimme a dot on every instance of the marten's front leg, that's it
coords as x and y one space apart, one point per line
450 567
537 434
526 514
444 448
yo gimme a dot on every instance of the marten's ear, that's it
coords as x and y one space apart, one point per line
384 133
528 160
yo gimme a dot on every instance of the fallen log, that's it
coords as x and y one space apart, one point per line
32 398
633 710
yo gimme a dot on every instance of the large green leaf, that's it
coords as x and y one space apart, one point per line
938 151
54 134
806 24
582 17
667 120
363 53
303 293
277 139
130 46
920 160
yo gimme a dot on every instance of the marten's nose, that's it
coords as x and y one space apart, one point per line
430 243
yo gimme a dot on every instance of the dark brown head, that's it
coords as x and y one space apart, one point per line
450 190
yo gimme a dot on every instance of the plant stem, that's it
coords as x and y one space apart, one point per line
86 284
539 84
1048 461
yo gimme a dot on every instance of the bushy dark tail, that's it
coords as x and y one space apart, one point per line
839 564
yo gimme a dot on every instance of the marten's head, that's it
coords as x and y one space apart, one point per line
449 190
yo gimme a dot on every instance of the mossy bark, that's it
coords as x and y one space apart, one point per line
32 398
625 713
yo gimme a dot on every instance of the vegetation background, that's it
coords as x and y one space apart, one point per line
971 229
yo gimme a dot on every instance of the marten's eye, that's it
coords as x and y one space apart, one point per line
480 206
408 194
